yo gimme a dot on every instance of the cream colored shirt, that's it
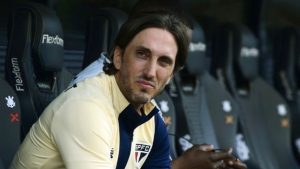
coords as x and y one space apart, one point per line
81 129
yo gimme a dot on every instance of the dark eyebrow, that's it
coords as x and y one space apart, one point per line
143 48
147 50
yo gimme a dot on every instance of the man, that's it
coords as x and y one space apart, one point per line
109 120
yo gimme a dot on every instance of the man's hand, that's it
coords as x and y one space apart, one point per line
204 157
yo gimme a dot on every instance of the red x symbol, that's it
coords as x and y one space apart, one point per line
14 117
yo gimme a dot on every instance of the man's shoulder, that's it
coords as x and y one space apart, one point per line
90 94
91 88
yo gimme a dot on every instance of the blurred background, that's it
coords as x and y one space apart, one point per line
240 87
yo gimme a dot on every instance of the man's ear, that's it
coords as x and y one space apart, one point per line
117 59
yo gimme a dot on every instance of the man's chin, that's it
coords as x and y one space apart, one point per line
142 99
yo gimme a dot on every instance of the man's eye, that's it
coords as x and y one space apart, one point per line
141 54
165 62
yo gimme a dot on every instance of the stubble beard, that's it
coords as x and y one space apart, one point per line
139 97
134 96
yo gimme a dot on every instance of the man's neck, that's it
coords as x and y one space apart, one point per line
140 110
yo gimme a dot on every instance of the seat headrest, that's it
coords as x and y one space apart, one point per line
46 33
247 59
287 48
103 27
235 55
196 62
286 52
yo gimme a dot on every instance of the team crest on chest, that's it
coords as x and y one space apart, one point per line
141 152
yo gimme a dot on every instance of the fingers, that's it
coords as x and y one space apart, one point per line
236 164
229 165
219 164
225 161
221 155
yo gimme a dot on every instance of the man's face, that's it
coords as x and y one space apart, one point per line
146 65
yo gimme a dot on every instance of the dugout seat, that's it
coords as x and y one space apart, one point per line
10 128
206 110
286 81
264 114
34 61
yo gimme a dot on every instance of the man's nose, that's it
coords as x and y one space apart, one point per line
150 69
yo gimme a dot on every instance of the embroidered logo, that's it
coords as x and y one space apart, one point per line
14 117
281 109
226 106
141 152
185 142
242 148
10 101
164 106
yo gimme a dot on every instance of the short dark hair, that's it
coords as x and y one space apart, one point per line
164 20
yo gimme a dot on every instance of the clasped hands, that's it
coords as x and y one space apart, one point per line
204 156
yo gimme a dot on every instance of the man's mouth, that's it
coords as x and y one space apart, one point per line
146 84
